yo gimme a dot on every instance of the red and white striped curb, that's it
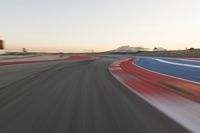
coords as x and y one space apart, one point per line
178 99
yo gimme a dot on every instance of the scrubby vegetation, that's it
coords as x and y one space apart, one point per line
178 53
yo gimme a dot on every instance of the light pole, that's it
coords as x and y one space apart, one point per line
1 44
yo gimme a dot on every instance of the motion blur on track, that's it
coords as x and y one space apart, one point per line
170 85
79 95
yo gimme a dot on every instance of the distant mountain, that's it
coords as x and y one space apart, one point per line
127 49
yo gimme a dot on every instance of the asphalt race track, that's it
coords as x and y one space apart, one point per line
74 97
188 70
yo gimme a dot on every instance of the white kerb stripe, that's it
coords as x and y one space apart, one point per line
178 64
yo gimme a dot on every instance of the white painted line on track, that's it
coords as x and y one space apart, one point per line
194 82
137 59
178 64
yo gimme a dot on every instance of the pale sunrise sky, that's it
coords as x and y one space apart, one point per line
100 25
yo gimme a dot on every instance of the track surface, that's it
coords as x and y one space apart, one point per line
74 97
180 70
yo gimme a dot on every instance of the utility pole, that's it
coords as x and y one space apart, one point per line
1 44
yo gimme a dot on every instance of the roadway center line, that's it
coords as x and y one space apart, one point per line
178 64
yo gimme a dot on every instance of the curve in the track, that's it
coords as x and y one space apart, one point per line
177 98
77 97
187 70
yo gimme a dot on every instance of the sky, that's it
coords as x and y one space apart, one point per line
99 25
